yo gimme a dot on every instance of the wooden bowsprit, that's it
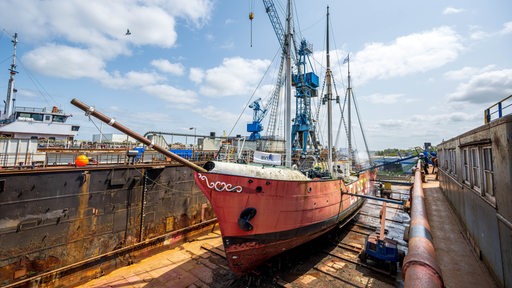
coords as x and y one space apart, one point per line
89 110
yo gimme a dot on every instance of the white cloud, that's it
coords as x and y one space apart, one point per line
79 63
407 55
467 72
171 94
235 76
99 25
65 62
507 28
168 67
476 32
196 11
445 118
478 35
485 87
452 10
132 79
392 123
196 75
383 98
96 29
430 127
228 45
220 117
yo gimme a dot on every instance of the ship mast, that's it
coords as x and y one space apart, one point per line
9 101
349 107
288 92
329 98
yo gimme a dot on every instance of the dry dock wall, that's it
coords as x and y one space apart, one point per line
55 218
476 177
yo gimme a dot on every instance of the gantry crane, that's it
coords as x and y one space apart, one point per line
306 84
273 104
258 114
303 130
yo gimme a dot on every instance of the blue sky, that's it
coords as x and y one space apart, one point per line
421 71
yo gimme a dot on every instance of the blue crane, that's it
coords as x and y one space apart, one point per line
272 106
258 114
306 84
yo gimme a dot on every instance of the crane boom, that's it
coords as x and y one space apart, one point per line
270 8
272 105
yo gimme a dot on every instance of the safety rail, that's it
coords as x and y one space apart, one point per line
497 108
420 266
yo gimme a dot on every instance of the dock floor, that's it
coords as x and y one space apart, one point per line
200 263
187 265
460 266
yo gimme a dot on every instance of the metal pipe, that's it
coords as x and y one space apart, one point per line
89 110
420 266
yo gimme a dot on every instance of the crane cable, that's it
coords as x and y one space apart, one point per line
251 16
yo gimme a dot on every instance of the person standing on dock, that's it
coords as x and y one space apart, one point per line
424 163
435 164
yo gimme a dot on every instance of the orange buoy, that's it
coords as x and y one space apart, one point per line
81 160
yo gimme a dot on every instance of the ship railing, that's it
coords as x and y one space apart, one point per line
30 109
22 159
496 111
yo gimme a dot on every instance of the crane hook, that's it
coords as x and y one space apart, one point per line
251 17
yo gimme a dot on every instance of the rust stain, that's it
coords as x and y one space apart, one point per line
79 226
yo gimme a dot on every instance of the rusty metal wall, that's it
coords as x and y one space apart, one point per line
50 220
487 220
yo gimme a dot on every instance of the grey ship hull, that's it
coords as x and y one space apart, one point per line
54 222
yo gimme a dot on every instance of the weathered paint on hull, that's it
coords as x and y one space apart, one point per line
55 218
288 213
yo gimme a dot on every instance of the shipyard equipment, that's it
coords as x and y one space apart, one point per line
306 84
380 249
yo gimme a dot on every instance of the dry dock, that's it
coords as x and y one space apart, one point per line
330 261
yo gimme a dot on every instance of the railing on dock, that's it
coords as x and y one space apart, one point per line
498 109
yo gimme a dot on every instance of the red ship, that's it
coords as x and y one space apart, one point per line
262 217
264 210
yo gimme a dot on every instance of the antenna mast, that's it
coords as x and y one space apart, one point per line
9 101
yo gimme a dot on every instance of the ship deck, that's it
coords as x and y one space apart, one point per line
329 261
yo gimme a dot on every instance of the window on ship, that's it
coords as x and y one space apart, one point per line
37 117
33 116
58 118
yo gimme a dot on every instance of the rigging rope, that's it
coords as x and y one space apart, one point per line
253 93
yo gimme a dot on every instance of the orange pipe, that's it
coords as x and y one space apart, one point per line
420 266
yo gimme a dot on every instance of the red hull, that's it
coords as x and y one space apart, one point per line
282 214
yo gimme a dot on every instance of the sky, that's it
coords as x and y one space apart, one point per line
421 71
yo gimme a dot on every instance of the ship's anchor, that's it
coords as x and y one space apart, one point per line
246 215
